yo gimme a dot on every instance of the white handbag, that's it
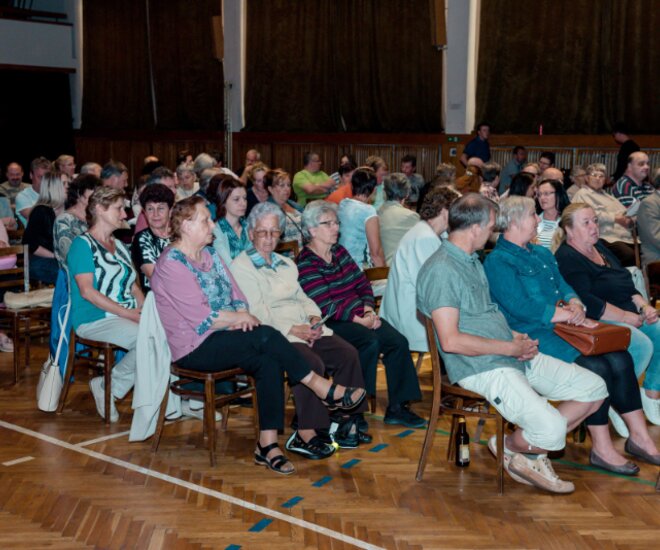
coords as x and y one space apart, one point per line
49 387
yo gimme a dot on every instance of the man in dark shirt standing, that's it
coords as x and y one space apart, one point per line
628 147
479 146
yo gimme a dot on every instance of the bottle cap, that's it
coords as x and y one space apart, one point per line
461 419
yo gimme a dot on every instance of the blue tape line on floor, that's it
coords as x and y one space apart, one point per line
233 547
351 463
321 482
292 502
260 525
405 433
378 448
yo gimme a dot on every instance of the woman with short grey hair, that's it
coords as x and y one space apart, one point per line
313 213
262 210
394 218
187 184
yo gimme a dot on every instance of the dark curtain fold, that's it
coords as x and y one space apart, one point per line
188 79
290 66
574 66
116 88
355 65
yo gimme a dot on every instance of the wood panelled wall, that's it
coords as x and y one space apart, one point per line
286 150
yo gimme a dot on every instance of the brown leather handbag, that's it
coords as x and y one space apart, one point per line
602 338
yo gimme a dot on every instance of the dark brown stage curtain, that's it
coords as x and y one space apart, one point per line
188 79
116 89
290 66
335 65
574 66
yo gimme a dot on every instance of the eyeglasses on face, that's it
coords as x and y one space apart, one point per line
263 233
546 194
330 223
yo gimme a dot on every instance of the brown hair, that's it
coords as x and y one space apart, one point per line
225 186
104 197
275 176
435 201
183 210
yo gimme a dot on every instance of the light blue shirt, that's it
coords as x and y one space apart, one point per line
25 199
353 216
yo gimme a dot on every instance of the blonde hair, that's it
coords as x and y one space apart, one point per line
51 192
104 197
566 220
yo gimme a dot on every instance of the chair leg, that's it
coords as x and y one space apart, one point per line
17 345
255 407
209 416
500 454
28 342
372 404
161 420
225 418
430 435
68 372
108 361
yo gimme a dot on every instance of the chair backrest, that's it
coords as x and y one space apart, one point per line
288 248
18 276
434 352
377 273
638 261
653 276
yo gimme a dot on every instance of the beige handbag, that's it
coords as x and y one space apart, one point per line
42 297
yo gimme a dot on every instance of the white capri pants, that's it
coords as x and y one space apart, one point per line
522 398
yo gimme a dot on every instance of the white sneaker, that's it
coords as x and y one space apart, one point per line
195 409
540 473
651 408
492 447
97 387
618 424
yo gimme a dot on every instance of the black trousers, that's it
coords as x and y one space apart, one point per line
618 371
402 382
264 354
333 356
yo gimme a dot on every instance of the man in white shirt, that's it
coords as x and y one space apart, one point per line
27 198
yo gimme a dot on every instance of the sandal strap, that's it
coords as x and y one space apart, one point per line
330 398
265 450
278 461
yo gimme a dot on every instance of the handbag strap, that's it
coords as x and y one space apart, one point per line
62 324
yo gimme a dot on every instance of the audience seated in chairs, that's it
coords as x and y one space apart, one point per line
482 354
344 189
73 221
525 282
188 184
417 246
394 219
230 235
156 201
333 280
278 185
39 232
209 327
648 223
105 297
360 231
6 262
607 290
270 283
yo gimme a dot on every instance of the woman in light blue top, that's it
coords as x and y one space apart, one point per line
230 236
360 232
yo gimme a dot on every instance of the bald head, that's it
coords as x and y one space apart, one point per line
552 174
14 174
638 166
476 161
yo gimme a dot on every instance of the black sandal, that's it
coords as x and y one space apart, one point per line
274 463
346 401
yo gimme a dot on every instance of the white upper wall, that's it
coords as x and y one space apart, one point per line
36 44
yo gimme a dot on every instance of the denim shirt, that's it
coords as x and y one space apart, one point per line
526 284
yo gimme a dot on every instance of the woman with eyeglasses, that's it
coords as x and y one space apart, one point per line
278 185
551 199
331 278
613 223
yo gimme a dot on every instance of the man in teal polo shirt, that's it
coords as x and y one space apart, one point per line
311 182
482 354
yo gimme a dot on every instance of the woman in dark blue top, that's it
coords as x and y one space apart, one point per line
525 281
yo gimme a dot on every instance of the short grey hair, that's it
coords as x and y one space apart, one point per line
469 210
91 168
397 186
596 167
262 210
312 215
185 167
513 209
202 162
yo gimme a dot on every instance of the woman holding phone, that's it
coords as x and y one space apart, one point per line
270 284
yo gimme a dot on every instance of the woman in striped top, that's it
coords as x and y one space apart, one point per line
551 199
331 278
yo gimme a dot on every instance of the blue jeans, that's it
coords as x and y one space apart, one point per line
645 350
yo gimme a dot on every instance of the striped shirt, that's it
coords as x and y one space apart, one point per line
545 231
339 284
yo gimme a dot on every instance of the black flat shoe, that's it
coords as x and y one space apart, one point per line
314 449
343 434
627 469
345 402
274 463
635 450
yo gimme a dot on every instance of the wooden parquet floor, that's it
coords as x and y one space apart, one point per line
69 482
